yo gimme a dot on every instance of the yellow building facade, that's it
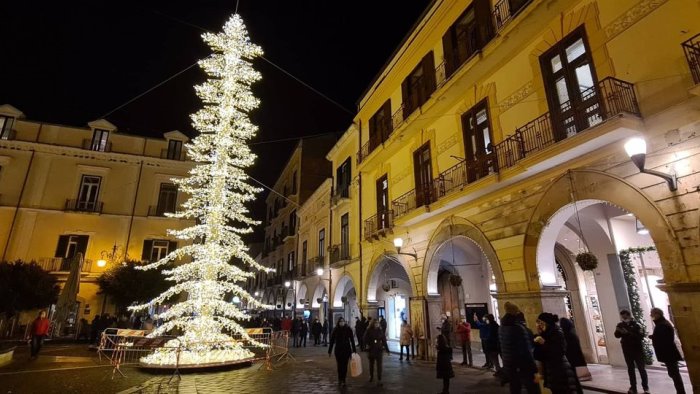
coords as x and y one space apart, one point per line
492 144
92 190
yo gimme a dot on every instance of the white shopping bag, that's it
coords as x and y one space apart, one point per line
355 365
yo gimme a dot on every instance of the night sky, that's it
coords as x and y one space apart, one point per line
73 62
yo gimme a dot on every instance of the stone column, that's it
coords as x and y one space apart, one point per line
685 306
532 303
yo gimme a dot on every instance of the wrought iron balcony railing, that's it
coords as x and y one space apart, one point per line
379 224
338 253
692 55
97 146
83 206
60 264
172 155
157 210
505 10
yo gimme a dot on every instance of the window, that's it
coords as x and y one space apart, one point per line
294 183
322 243
100 140
478 147
423 174
174 150
571 85
6 127
167 199
290 262
380 126
157 249
69 245
344 236
470 32
343 179
304 256
292 223
88 192
383 203
419 85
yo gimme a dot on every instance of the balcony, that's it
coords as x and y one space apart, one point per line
612 97
97 147
172 155
156 210
692 55
83 206
60 264
339 254
316 262
505 10
342 193
379 225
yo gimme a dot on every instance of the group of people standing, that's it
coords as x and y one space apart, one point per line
371 338
299 329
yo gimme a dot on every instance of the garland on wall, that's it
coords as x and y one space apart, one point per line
633 293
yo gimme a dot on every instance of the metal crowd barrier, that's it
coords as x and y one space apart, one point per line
127 347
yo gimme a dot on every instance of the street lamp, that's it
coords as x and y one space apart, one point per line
287 284
398 244
636 149
319 272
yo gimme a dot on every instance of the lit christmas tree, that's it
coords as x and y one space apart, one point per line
218 191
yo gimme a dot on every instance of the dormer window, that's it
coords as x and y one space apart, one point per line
174 150
6 127
100 141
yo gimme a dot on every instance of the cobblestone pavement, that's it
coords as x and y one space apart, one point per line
74 369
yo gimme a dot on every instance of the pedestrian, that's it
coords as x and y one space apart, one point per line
631 337
516 344
405 340
446 329
574 353
360 328
382 324
483 328
83 330
304 332
325 332
464 335
39 330
493 344
95 329
286 324
342 339
665 348
443 366
316 329
550 351
375 339
296 329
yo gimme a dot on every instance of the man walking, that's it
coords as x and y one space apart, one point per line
665 347
360 329
376 343
464 333
631 337
39 330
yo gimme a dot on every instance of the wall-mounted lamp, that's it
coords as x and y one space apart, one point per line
287 284
398 244
640 228
319 271
636 149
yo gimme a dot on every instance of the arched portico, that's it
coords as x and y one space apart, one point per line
389 288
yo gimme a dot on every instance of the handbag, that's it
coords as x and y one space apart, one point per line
355 365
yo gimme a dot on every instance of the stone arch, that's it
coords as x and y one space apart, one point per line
301 294
598 185
378 263
344 284
319 292
450 228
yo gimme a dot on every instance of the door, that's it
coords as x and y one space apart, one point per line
477 142
383 203
571 86
423 174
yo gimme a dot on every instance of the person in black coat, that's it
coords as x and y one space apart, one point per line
316 329
574 353
550 350
665 348
303 333
360 328
631 336
296 329
375 339
492 346
443 366
516 342
342 338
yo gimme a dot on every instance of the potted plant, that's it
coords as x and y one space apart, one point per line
386 286
344 299
587 261
455 280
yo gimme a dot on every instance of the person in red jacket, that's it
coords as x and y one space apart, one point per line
39 330
464 333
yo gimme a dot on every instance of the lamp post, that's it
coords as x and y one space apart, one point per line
287 284
636 149
319 272
108 257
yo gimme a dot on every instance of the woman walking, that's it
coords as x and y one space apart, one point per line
39 330
405 340
444 363
375 340
343 340
573 350
550 351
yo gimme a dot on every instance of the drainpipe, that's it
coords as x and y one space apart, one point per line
330 244
133 211
359 233
19 201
